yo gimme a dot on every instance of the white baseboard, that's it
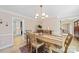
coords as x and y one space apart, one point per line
6 46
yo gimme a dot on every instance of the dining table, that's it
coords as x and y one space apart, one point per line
51 39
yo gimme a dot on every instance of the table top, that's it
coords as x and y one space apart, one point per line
52 39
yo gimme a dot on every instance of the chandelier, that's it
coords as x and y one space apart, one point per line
41 13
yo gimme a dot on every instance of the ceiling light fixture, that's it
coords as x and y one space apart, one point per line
41 14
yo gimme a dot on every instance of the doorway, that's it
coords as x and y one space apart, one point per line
17 27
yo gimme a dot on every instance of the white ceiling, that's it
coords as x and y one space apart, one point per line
51 10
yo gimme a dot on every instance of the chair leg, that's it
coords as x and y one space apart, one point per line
31 49
65 50
36 50
49 50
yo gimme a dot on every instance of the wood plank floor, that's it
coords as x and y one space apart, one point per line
19 46
18 42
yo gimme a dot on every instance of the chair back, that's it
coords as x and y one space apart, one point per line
67 42
32 38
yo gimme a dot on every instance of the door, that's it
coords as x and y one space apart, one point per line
17 27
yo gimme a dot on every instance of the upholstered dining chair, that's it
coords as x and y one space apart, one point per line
34 43
65 46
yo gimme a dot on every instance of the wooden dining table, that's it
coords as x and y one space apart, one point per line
51 39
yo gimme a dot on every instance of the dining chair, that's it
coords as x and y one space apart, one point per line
34 42
28 42
65 46
67 42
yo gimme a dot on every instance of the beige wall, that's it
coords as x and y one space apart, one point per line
29 24
51 23
5 31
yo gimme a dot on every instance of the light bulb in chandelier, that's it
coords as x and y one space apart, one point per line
46 16
37 14
43 14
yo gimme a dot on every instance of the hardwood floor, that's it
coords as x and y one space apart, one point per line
24 49
74 46
19 46
18 42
